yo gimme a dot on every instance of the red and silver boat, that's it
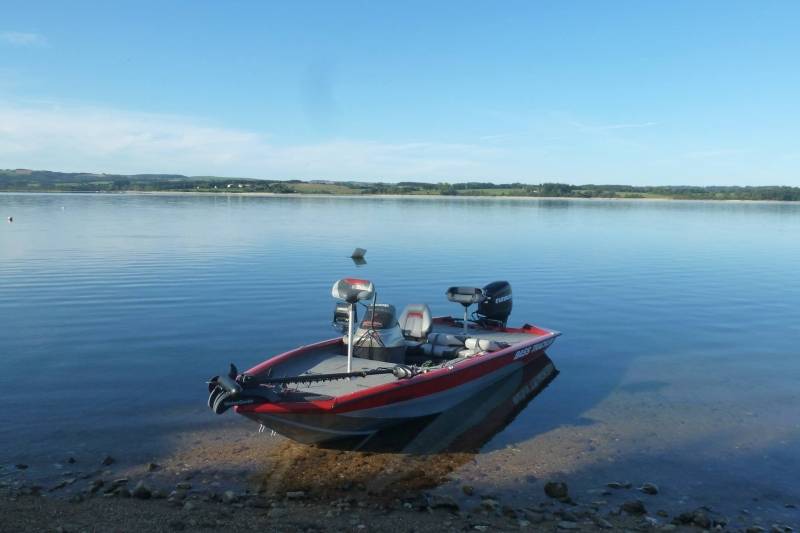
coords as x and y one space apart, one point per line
387 369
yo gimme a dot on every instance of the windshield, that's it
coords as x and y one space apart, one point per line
380 316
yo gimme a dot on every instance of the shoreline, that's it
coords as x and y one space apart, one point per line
422 197
293 487
112 501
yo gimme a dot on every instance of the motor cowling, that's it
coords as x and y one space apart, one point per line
498 303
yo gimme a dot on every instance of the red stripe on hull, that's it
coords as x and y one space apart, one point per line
402 390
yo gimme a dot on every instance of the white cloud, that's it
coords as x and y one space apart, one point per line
80 138
21 38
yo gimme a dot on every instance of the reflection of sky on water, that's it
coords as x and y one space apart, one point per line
682 320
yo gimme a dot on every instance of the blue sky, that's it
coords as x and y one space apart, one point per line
579 92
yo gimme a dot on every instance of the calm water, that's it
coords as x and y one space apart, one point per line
680 362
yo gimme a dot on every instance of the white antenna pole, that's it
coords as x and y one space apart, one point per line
350 338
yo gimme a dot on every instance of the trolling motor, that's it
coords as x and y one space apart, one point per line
226 391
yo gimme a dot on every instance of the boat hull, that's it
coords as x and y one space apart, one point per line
364 416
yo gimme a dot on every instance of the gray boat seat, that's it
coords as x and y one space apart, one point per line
443 345
465 296
416 322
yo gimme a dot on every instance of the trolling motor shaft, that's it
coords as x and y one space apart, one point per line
226 391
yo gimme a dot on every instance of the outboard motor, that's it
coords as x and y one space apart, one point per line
496 307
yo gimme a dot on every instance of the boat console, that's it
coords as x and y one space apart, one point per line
379 336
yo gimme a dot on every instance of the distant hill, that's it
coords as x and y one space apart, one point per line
25 180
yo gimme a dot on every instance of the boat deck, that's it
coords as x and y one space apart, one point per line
334 363
333 359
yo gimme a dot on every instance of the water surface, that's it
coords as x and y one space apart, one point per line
680 360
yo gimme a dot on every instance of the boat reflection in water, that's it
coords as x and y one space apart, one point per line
470 424
415 455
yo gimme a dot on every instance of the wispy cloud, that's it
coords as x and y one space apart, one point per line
496 137
23 39
97 139
608 127
629 126
715 153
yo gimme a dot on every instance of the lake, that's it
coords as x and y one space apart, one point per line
679 363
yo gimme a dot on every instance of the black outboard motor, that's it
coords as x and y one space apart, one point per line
497 305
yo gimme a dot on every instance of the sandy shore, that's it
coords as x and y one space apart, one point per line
290 487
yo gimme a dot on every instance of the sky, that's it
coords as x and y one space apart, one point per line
624 92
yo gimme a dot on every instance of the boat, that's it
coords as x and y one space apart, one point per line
385 370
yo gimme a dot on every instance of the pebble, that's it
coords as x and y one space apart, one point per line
556 489
229 496
701 519
183 485
490 504
95 485
295 495
142 491
602 523
177 495
107 460
443 502
58 486
755 529
469 490
566 515
189 506
649 488
565 524
21 466
650 521
617 485
634 507
152 467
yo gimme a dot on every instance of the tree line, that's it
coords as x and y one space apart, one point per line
21 180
